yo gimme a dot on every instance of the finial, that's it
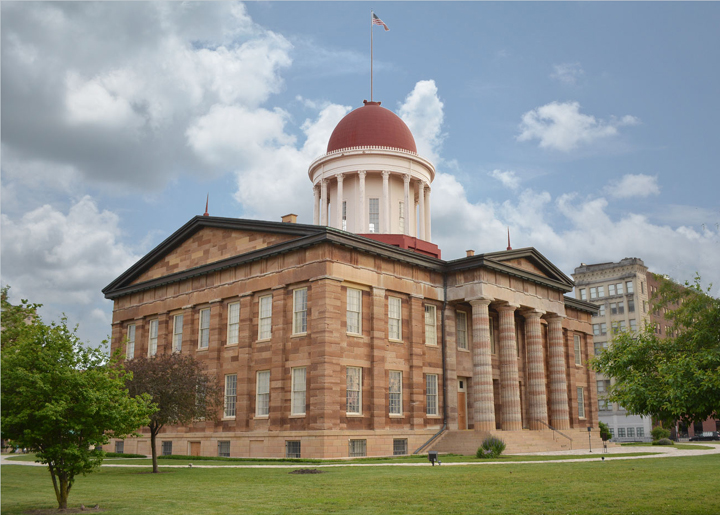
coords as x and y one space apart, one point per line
207 200
509 247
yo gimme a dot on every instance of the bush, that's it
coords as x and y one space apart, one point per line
604 431
492 447
659 432
663 441
123 455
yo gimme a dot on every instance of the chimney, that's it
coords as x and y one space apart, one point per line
290 219
470 253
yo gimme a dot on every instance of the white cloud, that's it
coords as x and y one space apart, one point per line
567 73
508 179
561 126
422 111
634 185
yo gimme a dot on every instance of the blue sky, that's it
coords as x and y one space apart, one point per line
590 129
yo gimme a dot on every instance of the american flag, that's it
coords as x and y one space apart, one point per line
378 21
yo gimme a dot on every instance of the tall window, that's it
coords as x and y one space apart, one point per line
204 337
593 292
374 225
633 325
603 328
613 308
262 394
431 394
153 337
583 294
492 336
354 390
619 288
430 322
642 287
621 432
581 401
354 310
401 219
629 286
344 215
621 307
611 289
230 395
578 350
631 305
631 432
601 291
130 347
601 311
233 329
265 323
596 329
395 389
177 332
300 311
167 448
298 391
644 306
461 329
394 318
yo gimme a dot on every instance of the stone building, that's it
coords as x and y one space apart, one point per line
351 336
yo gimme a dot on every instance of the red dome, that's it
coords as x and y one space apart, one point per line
371 125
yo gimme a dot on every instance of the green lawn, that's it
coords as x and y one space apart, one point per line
687 485
681 446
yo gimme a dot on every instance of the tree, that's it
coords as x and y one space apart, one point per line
16 320
179 386
676 378
61 400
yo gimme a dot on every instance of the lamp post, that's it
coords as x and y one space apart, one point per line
590 438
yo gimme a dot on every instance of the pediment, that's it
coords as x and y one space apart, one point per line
530 260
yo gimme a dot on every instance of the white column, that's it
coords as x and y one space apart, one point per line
323 202
421 202
339 202
428 236
361 226
385 212
316 213
406 178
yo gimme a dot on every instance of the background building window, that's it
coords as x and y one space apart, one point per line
461 329
153 337
224 449
354 310
400 446
601 291
621 307
130 347
354 390
593 292
119 446
578 350
300 311
298 391
292 449
204 338
596 329
394 318
230 395
633 325
611 289
619 288
640 432
233 323
262 394
357 448
631 306
166 448
177 332
581 402
613 308
601 310
631 432
374 218
603 328
431 394
395 389
265 322
430 321
629 288
583 294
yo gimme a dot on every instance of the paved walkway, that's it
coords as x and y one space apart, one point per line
582 455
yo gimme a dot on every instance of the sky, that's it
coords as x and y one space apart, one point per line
589 129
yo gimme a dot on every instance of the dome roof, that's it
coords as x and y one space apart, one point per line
371 125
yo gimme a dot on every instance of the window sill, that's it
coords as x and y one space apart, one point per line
263 340
354 415
297 415
355 335
460 349
298 335
203 349
261 417
431 344
395 340
395 415
434 416
231 345
228 418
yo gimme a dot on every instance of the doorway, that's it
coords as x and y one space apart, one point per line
462 403
194 448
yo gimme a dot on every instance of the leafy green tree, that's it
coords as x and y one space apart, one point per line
604 431
675 378
16 319
61 400
181 389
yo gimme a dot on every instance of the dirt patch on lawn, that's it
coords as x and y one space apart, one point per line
306 471
56 511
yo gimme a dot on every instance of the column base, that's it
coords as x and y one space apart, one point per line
484 426
561 424
512 426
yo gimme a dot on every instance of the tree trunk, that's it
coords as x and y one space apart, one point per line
153 433
61 484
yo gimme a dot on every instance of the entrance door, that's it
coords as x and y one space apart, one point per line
194 448
462 403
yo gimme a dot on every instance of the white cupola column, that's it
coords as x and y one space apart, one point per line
339 202
323 202
428 234
385 223
406 179
316 196
361 227
421 205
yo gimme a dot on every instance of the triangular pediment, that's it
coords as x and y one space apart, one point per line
531 261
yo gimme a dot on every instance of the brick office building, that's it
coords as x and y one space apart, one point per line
351 336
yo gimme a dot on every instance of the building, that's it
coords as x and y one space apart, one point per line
351 336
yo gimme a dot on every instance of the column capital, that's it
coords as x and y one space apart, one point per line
385 174
532 313
323 182
507 307
378 291
362 173
554 317
406 178
340 177
480 301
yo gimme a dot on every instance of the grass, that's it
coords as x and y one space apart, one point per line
680 446
687 485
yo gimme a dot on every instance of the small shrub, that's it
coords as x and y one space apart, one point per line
604 431
492 447
659 432
663 441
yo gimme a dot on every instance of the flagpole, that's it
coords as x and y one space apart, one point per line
371 56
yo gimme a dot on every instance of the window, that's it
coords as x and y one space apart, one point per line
603 328
166 448
596 329
581 402
431 394
400 447
394 318
292 447
401 219
642 287
204 338
640 432
631 432
583 295
395 389
430 320
357 448
613 308
611 289
300 311
233 323
265 322
601 311
130 346
578 350
298 391
152 338
344 220
604 405
612 432
262 394
629 289
598 348
644 306
633 325
119 446
224 449
601 291
354 309
593 292
230 395
354 390
631 306
177 332
623 328
603 386
621 307
621 432
374 218
619 288
461 329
